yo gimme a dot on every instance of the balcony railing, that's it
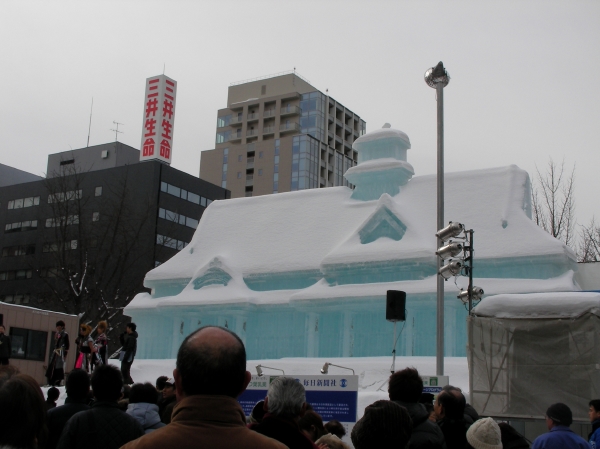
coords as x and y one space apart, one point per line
251 132
252 117
289 127
236 136
268 130
291 110
235 121
269 113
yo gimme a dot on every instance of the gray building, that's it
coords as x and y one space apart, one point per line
83 239
10 176
280 134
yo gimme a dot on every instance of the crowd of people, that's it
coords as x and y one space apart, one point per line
197 407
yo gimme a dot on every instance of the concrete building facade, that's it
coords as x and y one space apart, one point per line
281 134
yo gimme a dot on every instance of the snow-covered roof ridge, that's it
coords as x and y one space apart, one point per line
301 230
382 133
539 305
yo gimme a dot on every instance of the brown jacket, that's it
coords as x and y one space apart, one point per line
207 422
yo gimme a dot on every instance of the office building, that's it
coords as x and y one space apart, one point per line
82 239
281 134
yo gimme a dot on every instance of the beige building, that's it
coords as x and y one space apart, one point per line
280 134
32 337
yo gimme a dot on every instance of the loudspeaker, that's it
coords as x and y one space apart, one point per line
395 306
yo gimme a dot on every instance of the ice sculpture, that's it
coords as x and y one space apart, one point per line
306 273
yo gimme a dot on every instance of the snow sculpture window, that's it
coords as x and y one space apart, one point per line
382 224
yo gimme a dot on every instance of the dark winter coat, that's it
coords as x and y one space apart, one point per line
5 347
425 434
58 417
283 430
455 432
203 421
129 346
104 426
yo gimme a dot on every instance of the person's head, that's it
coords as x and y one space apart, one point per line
211 361
332 441
60 325
447 405
142 393
558 414
102 326
286 397
311 424
2 329
169 389
457 392
84 330
107 383
53 393
484 434
258 412
22 411
131 327
160 383
78 385
594 411
336 428
385 424
405 386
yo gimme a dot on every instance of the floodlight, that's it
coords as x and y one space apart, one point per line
477 293
452 230
451 269
450 250
260 372
325 368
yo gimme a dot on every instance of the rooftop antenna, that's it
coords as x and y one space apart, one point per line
90 127
117 132
164 67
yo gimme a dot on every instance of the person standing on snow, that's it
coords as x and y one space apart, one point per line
56 369
100 345
129 341
5 347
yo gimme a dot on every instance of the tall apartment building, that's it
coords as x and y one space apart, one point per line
281 134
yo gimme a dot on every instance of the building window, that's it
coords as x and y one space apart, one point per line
28 344
65 196
19 250
67 162
240 158
239 175
24 202
170 242
223 136
181 193
263 89
305 163
21 226
260 154
223 121
61 221
177 218
96 216
260 172
53 247
15 275
98 191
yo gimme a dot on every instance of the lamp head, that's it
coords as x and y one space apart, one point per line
259 370
477 293
451 269
437 75
452 230
325 368
450 250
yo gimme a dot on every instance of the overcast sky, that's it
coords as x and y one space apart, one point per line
524 74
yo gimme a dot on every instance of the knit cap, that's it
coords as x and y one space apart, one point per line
560 413
484 434
385 424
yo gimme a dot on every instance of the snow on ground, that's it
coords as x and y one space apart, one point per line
372 372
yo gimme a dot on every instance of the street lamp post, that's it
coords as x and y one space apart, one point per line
437 78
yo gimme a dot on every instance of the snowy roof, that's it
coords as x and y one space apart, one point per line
305 229
539 305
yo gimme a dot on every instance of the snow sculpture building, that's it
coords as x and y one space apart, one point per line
306 273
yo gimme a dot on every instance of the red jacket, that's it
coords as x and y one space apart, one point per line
207 422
